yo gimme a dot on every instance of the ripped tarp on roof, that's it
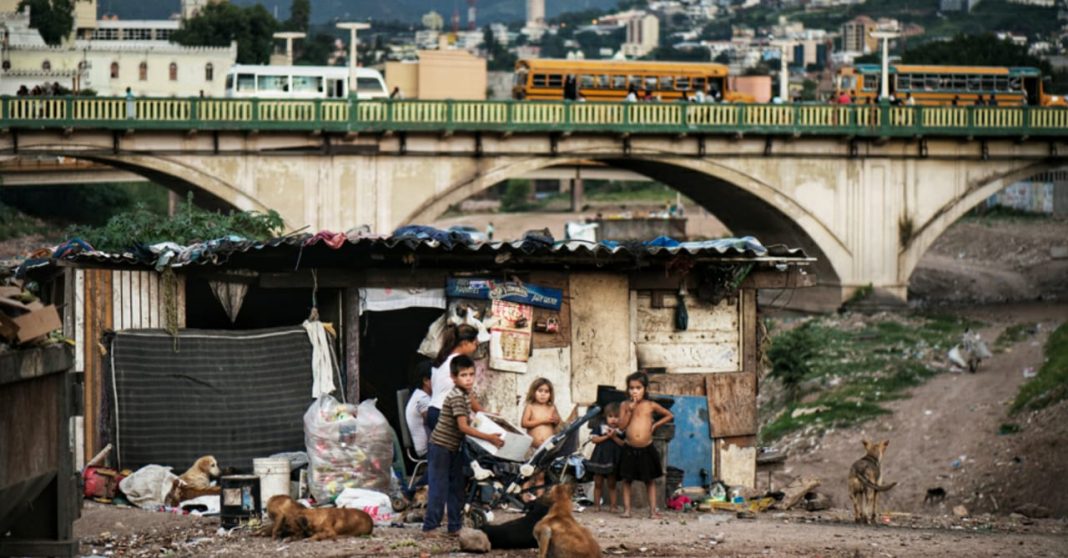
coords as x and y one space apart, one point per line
335 249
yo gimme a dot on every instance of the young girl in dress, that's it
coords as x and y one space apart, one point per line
540 419
605 458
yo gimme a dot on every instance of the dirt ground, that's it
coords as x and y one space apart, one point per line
946 434
994 260
110 531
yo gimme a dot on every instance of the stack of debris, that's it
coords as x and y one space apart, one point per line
23 318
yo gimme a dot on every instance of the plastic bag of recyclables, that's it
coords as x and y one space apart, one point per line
348 447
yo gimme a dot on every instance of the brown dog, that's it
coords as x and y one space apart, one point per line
328 523
199 475
559 535
285 516
864 481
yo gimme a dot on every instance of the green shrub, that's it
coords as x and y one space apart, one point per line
790 355
516 196
1050 385
189 224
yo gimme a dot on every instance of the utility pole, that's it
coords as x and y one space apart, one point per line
353 27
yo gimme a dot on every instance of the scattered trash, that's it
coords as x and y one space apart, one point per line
1029 372
804 411
1034 511
960 511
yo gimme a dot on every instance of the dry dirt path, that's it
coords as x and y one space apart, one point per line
945 434
130 532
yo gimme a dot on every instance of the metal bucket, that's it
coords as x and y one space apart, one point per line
240 499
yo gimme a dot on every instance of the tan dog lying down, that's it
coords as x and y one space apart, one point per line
200 474
559 535
289 518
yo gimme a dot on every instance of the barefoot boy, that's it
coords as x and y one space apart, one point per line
640 460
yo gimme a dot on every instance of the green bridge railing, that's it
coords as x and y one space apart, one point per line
518 116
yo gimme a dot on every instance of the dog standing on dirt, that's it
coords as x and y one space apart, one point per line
865 478
559 535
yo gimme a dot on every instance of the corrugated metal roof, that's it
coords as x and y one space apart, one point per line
337 250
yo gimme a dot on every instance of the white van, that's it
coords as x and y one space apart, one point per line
302 82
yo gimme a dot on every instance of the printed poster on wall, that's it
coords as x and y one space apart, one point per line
510 336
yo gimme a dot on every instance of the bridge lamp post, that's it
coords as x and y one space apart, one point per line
288 37
884 85
353 27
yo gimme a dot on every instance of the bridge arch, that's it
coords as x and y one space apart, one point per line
928 232
744 203
211 191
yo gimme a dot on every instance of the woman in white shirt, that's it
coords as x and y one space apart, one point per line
458 340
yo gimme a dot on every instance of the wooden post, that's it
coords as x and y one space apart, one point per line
352 344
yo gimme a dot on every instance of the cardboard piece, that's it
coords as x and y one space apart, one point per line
37 324
7 291
8 329
516 443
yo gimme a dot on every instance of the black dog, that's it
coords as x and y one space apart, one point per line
517 533
934 495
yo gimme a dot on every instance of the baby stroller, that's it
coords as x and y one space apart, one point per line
498 483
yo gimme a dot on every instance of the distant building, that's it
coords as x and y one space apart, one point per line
190 8
643 35
440 74
111 56
957 5
856 35
535 13
1040 3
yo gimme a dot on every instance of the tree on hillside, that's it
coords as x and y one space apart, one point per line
498 59
53 19
299 16
316 50
974 50
218 24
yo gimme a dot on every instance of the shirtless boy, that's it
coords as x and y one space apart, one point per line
640 460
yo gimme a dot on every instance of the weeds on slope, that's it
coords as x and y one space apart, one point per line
1050 385
837 371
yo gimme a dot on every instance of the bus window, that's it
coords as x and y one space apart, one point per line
716 86
698 83
988 83
540 80
307 84
369 85
682 83
587 82
619 82
335 88
556 80
904 82
635 82
650 83
273 83
604 81
246 82
667 83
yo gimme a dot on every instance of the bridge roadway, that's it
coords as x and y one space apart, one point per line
864 188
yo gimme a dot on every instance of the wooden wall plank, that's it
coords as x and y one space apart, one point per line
351 342
677 384
601 347
749 331
732 409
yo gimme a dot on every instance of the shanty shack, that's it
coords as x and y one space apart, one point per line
200 349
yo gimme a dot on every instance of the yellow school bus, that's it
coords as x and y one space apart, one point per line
941 85
609 80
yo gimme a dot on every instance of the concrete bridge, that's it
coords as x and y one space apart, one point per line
864 188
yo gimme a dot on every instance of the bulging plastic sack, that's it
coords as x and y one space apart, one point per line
348 446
